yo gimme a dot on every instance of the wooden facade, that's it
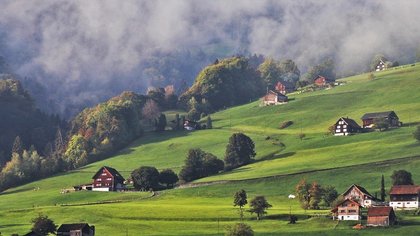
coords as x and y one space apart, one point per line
381 216
405 197
284 87
369 119
347 210
107 179
274 98
79 229
361 195
321 81
346 126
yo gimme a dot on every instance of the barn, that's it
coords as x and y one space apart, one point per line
381 216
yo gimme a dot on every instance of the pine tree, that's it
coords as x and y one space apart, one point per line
240 199
383 194
17 146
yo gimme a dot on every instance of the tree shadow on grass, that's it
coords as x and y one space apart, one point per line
15 191
276 156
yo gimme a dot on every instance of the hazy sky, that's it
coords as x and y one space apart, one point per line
74 46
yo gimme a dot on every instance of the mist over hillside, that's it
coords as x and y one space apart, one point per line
77 53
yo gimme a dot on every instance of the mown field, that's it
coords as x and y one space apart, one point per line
282 160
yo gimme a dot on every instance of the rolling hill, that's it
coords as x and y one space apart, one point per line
205 208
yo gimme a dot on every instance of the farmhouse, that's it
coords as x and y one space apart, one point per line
321 81
390 117
274 98
346 126
284 87
380 66
404 196
347 210
107 179
191 125
80 229
361 195
380 216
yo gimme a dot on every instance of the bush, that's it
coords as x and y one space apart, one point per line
168 177
286 124
239 229
199 164
416 133
145 178
292 219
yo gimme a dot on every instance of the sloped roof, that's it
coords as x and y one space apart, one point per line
405 189
345 200
350 122
77 226
32 233
378 115
380 211
363 190
111 170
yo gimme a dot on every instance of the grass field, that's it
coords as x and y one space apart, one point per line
207 209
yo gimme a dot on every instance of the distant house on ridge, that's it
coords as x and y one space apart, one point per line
381 66
274 98
346 126
381 216
321 81
404 197
191 125
107 179
369 119
284 87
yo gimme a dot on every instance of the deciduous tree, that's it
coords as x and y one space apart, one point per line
401 177
145 178
43 225
239 151
168 177
240 199
239 229
259 205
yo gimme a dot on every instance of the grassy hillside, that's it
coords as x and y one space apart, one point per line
206 210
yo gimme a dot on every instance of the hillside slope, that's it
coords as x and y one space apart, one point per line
206 210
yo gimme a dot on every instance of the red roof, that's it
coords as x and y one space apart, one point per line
345 200
380 211
405 189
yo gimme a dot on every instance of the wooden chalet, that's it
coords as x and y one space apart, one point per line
107 179
321 81
347 210
79 229
191 125
381 216
380 66
369 119
346 126
274 98
404 197
284 87
359 194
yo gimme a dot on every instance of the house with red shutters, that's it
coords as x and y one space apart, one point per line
107 179
284 87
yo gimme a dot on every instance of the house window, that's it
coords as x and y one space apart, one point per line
99 179
352 211
103 174
337 131
98 185
342 211
344 126
338 126
345 130
108 178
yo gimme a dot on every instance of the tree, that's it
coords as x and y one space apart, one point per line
371 76
209 123
259 205
239 151
401 177
145 178
301 136
240 199
292 219
239 229
168 177
315 193
302 192
329 194
43 225
161 123
76 153
199 164
17 146
326 69
416 133
150 110
383 194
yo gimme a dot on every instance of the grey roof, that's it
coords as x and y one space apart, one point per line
377 115
77 226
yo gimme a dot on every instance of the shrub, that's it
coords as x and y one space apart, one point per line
286 124
239 229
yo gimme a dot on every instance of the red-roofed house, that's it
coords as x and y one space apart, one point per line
321 81
404 196
381 216
274 98
347 210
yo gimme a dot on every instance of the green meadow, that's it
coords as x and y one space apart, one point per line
205 207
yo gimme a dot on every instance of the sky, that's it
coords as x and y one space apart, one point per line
83 52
